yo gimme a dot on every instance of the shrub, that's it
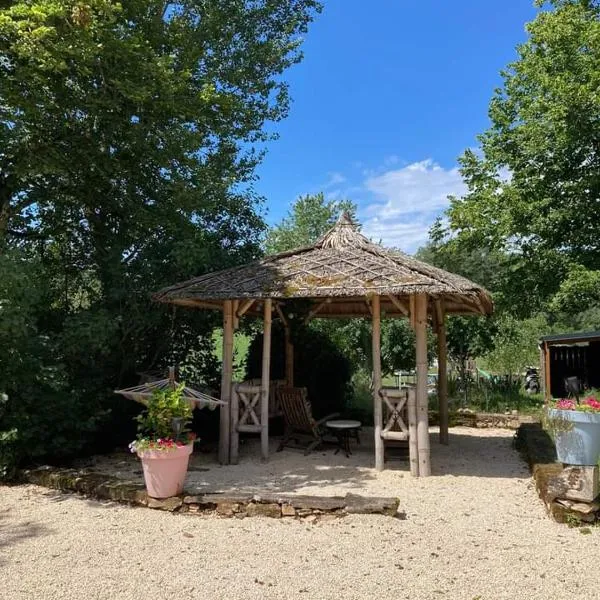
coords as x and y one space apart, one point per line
40 418
319 366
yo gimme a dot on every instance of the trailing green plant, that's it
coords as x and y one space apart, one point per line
163 424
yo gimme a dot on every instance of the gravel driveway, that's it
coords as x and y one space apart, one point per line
474 535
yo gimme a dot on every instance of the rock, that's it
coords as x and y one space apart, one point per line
89 483
543 474
566 511
171 504
127 491
227 509
288 511
585 508
211 500
263 510
310 519
329 517
366 505
576 483
323 503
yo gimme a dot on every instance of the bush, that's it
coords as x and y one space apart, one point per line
40 418
319 366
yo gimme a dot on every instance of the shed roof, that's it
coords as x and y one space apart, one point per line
573 338
337 273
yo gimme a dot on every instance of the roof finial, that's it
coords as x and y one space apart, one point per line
343 234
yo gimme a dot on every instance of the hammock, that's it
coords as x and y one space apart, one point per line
197 399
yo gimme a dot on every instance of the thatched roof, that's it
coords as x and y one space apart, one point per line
339 273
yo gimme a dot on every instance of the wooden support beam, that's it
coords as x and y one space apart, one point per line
422 413
244 307
411 304
266 374
226 376
394 300
316 309
442 349
281 315
377 400
289 358
236 319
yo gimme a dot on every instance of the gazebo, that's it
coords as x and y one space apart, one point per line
343 275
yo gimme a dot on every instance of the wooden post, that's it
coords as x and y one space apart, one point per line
547 376
234 434
542 370
413 449
289 357
422 415
442 371
377 400
266 372
226 376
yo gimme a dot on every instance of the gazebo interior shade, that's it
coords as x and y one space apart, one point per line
337 274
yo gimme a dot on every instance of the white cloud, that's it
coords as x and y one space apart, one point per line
407 202
335 178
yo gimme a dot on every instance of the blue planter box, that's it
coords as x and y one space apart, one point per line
580 445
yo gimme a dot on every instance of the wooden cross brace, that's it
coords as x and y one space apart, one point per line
396 403
248 405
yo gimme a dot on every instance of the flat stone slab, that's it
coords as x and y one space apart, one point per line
371 505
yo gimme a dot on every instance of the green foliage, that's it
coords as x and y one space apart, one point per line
319 365
40 416
164 406
129 137
578 293
310 217
516 344
533 190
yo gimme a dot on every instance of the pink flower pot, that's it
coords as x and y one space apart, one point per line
165 470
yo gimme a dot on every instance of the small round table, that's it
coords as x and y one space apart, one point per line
344 429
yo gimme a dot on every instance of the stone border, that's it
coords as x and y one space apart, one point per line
470 418
569 492
308 508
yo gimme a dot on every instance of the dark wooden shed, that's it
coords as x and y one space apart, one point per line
569 355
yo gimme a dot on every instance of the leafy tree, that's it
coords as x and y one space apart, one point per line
129 137
533 192
516 344
309 218
467 337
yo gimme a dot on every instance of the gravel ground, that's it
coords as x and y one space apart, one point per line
480 533
471 453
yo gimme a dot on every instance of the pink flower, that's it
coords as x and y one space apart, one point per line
592 403
566 404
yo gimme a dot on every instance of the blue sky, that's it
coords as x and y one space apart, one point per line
389 94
